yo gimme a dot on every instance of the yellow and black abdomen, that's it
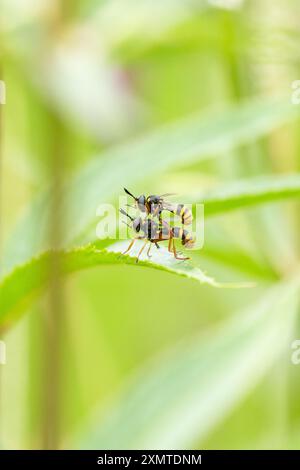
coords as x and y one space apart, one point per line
178 232
187 238
185 214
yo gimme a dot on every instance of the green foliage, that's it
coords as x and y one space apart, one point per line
102 178
19 288
250 193
171 97
25 280
202 379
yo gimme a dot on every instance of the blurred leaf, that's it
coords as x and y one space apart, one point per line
251 192
142 21
105 109
183 142
18 288
101 180
239 260
183 395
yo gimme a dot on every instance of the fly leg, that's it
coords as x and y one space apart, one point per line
129 247
141 251
175 253
149 249
131 244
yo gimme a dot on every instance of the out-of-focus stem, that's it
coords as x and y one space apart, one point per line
54 315
1 223
54 322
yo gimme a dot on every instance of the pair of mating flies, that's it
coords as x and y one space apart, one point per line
153 229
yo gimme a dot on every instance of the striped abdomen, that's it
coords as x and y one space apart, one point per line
185 214
183 235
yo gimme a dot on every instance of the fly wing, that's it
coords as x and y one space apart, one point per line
167 194
169 206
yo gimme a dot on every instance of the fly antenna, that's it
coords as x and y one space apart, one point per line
125 213
129 193
123 222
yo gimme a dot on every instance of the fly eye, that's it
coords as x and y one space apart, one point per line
141 203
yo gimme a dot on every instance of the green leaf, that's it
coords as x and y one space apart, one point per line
239 260
184 142
251 192
256 191
181 396
19 287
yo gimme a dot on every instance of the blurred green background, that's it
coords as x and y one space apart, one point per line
124 356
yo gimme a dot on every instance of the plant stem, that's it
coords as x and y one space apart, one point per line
1 223
53 323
